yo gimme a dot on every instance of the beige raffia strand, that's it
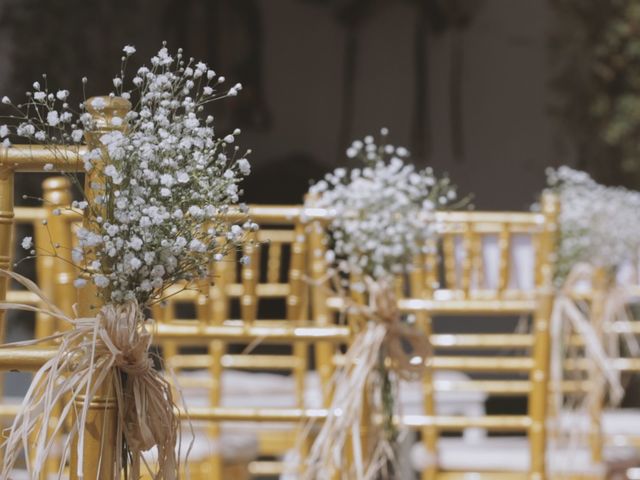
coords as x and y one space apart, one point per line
113 345
406 350
571 315
566 313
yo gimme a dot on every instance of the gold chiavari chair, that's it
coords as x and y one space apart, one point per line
503 364
268 290
617 427
99 456
206 459
492 266
583 418
56 192
28 158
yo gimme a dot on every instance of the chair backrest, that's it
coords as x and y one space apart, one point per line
266 288
482 264
34 158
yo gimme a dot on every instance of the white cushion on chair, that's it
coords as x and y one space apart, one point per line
260 389
447 403
512 454
619 421
234 447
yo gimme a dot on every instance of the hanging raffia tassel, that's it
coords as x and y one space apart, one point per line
403 350
112 347
573 315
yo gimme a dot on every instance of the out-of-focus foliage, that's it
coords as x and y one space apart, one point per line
596 49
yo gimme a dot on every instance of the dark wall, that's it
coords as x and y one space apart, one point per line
483 106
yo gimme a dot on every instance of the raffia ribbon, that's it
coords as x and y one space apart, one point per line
406 347
112 347
406 350
565 313
571 314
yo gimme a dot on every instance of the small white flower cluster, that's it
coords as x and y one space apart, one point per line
382 213
598 224
166 181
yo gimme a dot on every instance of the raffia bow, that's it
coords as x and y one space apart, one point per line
111 348
405 347
404 351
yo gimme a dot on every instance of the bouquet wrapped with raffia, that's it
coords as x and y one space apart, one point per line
159 182
382 217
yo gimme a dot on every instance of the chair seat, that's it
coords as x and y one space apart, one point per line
619 421
233 446
269 390
620 426
511 454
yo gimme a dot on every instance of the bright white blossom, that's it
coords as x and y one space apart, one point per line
27 243
53 118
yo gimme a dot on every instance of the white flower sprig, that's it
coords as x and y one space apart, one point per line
167 179
382 213
598 224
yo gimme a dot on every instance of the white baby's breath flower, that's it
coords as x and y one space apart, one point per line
53 119
244 166
76 135
101 281
129 50
98 103
6 100
27 243
48 167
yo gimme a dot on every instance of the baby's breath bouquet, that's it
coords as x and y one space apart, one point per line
381 218
160 183
599 225
381 212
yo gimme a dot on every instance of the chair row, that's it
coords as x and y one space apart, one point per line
243 360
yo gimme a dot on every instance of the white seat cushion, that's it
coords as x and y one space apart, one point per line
619 421
234 447
512 454
268 390
447 403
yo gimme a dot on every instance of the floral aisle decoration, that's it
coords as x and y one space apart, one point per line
598 224
381 219
159 183
599 235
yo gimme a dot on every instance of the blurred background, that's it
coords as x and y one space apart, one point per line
490 91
